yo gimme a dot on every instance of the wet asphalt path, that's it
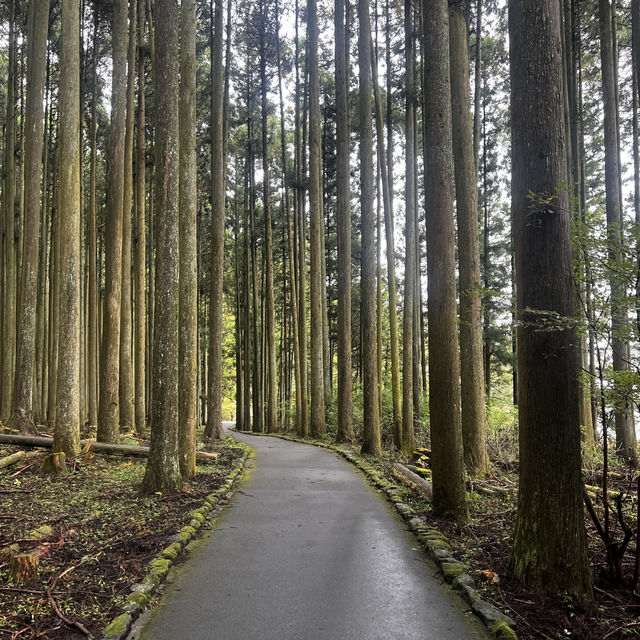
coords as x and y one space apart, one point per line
308 551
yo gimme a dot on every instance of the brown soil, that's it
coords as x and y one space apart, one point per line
117 532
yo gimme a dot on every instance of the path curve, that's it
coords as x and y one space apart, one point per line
308 551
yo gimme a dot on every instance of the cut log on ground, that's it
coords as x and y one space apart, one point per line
412 480
17 457
100 447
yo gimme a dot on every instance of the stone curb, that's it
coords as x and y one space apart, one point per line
159 567
436 545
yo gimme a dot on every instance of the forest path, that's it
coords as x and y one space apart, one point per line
307 550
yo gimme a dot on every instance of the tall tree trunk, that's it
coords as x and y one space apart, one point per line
408 324
140 237
214 418
247 301
22 409
549 549
126 391
444 374
474 430
92 257
635 27
371 442
316 219
258 403
270 329
163 467
188 201
301 235
41 313
477 88
66 436
289 239
625 433
343 216
385 172
9 193
108 407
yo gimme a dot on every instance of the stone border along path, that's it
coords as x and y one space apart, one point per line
433 541
308 552
158 568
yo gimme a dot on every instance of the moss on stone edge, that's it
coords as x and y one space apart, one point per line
502 631
139 599
118 627
159 567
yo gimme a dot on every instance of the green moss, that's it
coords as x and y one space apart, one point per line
45 531
502 631
171 552
197 515
138 598
452 570
434 545
195 523
118 627
160 564
54 463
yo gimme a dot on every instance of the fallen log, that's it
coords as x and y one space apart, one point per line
100 447
412 480
16 457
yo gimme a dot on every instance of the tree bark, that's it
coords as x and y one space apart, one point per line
343 216
449 497
301 238
188 297
163 468
214 418
126 389
9 193
22 409
140 238
474 430
92 251
316 220
66 436
270 329
371 442
408 325
385 172
549 549
108 407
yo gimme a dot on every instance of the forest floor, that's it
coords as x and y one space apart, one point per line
96 535
485 545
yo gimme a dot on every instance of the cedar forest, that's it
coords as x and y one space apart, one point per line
411 227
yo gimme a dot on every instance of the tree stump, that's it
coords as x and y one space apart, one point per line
54 463
23 567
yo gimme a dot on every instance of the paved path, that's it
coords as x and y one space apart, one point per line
308 551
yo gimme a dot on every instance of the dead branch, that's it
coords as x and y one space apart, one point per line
54 606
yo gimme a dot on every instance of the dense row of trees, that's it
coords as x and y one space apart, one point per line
185 221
